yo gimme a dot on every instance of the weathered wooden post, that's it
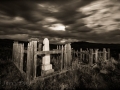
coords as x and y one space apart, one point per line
32 59
91 57
68 55
15 51
22 55
35 58
46 66
62 58
16 54
28 71
57 57
19 54
96 55
104 54
65 56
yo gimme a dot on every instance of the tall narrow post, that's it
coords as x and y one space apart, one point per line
62 58
33 43
28 64
14 51
21 59
19 54
35 59
65 57
68 55
104 54
17 58
31 59
96 55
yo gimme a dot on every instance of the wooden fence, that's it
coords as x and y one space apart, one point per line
28 67
56 61
90 56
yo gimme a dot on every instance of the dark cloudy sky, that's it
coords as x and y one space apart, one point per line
61 20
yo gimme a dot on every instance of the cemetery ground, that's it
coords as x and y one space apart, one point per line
99 78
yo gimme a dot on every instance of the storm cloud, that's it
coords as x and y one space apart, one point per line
68 20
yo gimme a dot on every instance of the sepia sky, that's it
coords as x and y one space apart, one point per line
61 20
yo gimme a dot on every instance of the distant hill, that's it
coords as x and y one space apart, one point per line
94 45
76 45
8 43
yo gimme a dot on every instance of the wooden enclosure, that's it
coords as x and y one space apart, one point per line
31 61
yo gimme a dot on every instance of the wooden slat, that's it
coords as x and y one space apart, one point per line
28 64
69 55
22 55
19 54
65 57
62 58
32 59
35 59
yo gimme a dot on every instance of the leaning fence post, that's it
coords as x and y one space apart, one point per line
28 73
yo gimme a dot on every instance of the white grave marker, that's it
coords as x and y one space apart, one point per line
46 59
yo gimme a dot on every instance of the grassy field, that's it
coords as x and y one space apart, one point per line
10 78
